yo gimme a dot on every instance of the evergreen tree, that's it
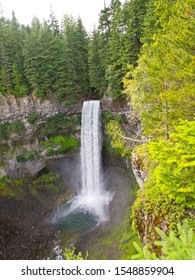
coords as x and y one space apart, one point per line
76 48
32 57
19 88
114 72
104 29
96 67
53 23
134 15
81 60
69 26
5 60
163 86
151 22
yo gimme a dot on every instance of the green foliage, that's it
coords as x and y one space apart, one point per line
179 245
169 192
143 253
108 116
96 67
3 131
12 77
70 254
175 164
44 58
3 183
32 118
118 138
25 156
59 145
19 88
52 125
48 182
134 15
162 88
16 127
46 179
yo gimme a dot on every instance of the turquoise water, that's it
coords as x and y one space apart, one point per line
78 221
69 217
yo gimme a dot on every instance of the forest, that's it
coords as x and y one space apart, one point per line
142 53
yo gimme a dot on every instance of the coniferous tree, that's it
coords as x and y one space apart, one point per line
81 59
96 67
32 50
134 14
5 59
104 29
69 26
163 86
114 72
151 22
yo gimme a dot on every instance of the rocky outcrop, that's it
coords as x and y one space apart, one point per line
140 173
12 108
30 168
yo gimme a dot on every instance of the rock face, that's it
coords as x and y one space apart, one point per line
140 173
12 108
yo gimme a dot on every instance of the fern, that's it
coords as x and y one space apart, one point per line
178 245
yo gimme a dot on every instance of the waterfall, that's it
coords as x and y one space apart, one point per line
92 194
92 198
91 143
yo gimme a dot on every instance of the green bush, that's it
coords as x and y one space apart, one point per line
3 183
25 156
32 118
16 127
59 145
70 254
108 116
8 128
3 131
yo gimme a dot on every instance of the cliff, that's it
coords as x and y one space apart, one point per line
12 108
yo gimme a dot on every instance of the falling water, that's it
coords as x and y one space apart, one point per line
92 198
91 149
92 193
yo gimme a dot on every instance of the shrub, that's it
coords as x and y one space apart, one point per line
32 118
16 127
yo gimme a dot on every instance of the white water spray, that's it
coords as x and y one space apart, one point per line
92 197
91 149
92 193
